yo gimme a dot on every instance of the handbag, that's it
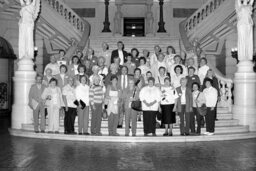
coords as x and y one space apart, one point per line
136 104
201 110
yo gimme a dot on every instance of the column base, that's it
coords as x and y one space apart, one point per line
23 79
162 35
244 108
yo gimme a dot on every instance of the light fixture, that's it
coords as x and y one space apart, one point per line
234 54
133 26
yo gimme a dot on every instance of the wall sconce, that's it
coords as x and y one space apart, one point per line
234 54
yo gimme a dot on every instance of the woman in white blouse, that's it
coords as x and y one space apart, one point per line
177 76
82 97
169 58
150 97
202 71
211 97
53 97
161 77
198 100
169 96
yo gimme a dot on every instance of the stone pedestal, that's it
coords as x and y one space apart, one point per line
244 108
23 79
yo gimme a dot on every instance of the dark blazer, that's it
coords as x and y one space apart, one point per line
189 100
35 93
115 53
192 80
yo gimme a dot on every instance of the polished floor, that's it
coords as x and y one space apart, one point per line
36 154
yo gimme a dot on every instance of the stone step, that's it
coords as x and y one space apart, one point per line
176 131
222 122
149 139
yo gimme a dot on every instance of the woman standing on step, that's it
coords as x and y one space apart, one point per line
130 94
82 97
53 97
150 97
112 100
211 97
169 96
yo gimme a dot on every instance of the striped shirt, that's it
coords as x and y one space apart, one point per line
96 94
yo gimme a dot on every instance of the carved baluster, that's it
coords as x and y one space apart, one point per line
74 20
78 24
222 93
66 14
57 6
206 11
198 17
229 96
69 17
190 24
61 10
194 21
202 15
211 7
82 26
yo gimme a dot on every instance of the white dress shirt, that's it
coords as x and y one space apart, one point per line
69 92
150 94
82 93
175 80
211 96
202 71
183 96
121 56
124 81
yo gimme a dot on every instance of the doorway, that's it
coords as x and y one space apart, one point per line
134 27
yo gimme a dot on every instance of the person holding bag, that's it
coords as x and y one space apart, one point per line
198 102
130 95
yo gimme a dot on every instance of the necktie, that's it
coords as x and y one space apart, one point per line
123 81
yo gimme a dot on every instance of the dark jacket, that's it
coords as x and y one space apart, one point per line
115 53
189 100
191 80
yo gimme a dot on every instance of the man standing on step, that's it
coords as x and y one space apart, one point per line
120 52
36 103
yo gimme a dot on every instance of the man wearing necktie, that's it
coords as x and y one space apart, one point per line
123 84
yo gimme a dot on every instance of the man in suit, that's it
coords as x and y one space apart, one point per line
123 82
120 52
184 106
36 103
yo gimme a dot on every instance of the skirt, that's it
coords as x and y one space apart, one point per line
168 116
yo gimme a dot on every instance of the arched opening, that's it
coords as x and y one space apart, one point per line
7 58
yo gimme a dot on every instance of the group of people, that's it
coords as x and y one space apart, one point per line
166 84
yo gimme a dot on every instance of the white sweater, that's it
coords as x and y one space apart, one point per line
82 93
150 94
211 96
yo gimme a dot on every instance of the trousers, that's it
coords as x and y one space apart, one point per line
54 117
130 117
184 120
83 119
112 123
69 120
210 120
96 118
39 111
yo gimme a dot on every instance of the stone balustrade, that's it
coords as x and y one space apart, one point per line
67 13
226 94
202 13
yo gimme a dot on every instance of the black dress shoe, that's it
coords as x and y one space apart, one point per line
50 132
119 126
86 133
182 134
42 131
145 135
154 134
36 131
187 134
80 133
170 134
165 134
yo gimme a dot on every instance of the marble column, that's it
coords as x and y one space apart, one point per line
149 23
244 108
118 20
106 22
161 22
24 77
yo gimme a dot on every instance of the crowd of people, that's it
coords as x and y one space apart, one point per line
106 85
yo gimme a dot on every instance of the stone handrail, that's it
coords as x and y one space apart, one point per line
202 13
78 23
226 85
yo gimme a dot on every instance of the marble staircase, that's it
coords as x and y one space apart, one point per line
227 128
136 42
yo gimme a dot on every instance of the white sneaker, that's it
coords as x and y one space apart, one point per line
210 133
206 133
